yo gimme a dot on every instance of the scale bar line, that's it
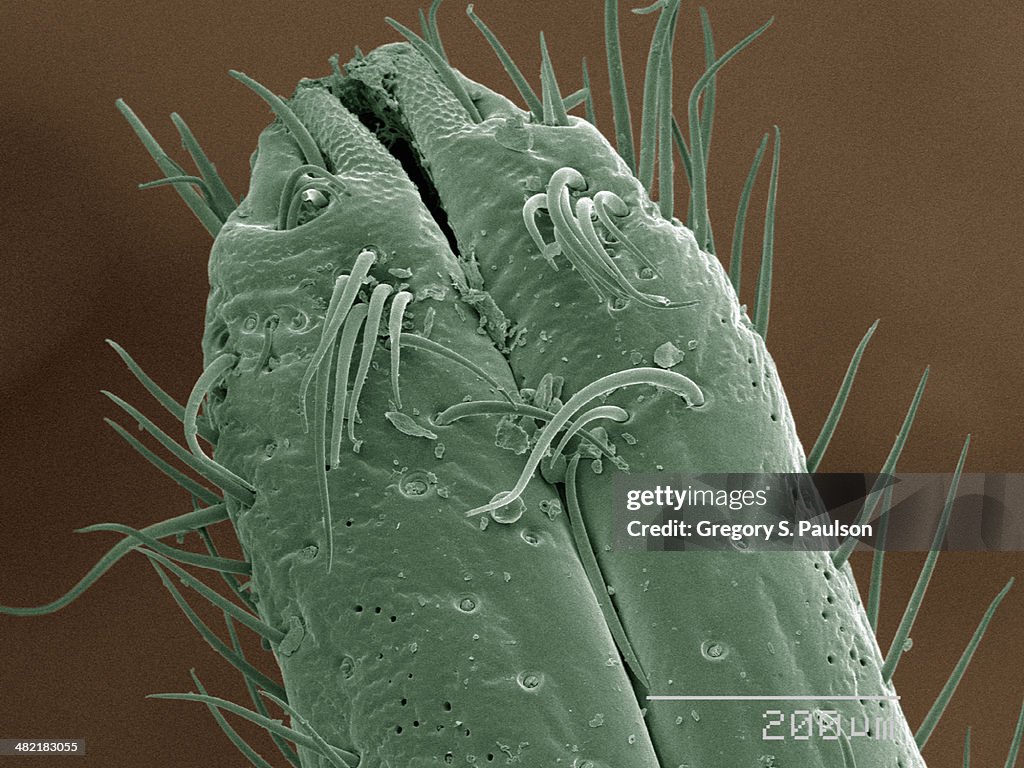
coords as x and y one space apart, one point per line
772 698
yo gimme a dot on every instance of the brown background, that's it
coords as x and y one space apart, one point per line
900 198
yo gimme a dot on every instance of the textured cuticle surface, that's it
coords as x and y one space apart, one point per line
419 660
568 328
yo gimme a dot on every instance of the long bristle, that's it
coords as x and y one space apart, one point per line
836 412
216 370
238 613
286 751
684 155
234 486
736 262
649 121
202 210
175 525
874 600
680 385
173 407
435 32
923 733
232 656
194 181
346 349
223 202
698 186
621 117
268 724
219 564
896 648
343 296
395 317
441 66
1018 736
374 314
588 101
574 99
533 102
230 579
707 112
337 757
666 165
241 744
321 381
280 107
842 554
554 106
186 482
763 301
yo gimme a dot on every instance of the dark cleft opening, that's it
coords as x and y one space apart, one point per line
409 158
384 122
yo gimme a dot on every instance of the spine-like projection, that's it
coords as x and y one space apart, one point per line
577 256
425 637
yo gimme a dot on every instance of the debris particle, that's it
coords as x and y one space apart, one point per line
668 355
